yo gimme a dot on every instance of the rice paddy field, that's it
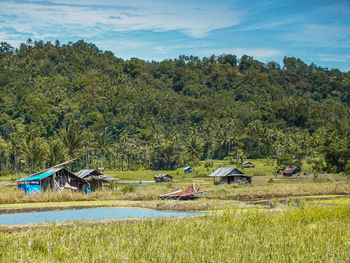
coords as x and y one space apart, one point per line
274 219
300 234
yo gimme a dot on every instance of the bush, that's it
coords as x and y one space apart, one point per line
208 164
128 188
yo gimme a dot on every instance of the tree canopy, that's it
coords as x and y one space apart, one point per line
145 113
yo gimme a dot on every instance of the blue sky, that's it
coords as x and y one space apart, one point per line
268 30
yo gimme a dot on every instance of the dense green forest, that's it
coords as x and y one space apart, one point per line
76 101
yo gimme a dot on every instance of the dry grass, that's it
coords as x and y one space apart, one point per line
260 189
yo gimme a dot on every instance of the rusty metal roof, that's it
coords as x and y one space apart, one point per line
227 171
289 170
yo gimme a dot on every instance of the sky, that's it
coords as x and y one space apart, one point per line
268 30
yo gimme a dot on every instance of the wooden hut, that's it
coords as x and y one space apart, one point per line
163 178
230 175
248 165
95 178
56 179
290 172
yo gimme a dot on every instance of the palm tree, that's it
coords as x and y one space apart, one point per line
57 151
4 154
102 143
194 149
73 138
34 149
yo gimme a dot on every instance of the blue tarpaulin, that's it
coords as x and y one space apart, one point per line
37 177
30 188
87 190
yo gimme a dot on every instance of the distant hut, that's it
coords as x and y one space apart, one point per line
230 175
188 169
95 178
163 178
247 165
290 172
56 179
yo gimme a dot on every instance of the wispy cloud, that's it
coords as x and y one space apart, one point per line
257 53
136 15
334 57
315 31
321 35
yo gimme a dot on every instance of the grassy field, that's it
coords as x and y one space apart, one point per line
301 234
286 228
263 187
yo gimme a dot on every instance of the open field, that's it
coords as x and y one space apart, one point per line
301 234
275 219
263 187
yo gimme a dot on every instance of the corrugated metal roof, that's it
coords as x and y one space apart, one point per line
47 173
227 171
83 173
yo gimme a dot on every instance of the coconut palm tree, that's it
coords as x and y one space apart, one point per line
57 151
73 138
102 143
34 149
194 149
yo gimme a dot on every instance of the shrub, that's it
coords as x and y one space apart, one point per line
128 188
208 164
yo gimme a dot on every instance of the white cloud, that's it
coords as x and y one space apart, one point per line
257 53
321 36
334 57
36 16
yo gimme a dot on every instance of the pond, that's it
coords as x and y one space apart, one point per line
86 214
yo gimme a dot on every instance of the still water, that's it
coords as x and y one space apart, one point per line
86 214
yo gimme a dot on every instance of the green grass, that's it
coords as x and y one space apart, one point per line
338 201
300 234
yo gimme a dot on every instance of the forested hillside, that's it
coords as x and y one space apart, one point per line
74 100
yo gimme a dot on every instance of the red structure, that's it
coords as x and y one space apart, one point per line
289 172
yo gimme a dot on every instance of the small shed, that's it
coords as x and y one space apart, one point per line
163 178
247 165
290 172
188 169
230 175
95 178
56 179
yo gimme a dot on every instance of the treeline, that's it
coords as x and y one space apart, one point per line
74 100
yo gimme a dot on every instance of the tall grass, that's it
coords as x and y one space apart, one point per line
297 235
143 192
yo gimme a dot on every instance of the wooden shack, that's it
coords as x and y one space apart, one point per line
248 165
230 175
163 178
290 172
55 179
95 178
